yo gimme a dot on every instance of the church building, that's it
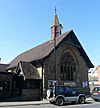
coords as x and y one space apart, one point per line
62 58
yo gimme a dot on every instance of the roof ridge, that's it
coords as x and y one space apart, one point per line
38 52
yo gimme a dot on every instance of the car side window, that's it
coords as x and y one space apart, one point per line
66 90
60 90
69 91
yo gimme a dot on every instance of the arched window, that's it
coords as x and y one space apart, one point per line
68 68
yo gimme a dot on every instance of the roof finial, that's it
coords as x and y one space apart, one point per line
55 10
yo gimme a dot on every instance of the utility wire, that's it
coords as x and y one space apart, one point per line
14 37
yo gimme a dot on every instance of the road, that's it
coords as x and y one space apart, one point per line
91 104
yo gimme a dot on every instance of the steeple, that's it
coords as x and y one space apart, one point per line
55 27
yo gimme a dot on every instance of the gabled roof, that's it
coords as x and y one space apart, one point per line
37 52
29 71
43 50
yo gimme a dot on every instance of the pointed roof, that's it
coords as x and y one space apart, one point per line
43 50
29 71
55 21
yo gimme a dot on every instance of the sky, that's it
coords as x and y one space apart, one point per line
25 24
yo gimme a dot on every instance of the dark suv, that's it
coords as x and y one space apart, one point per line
61 94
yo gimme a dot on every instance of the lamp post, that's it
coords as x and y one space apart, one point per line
55 51
55 47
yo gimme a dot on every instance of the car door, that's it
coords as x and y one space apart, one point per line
70 95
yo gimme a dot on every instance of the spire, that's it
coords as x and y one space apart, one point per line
55 27
55 10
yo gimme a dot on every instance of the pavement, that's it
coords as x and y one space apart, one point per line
23 103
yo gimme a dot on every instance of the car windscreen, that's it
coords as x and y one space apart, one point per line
96 89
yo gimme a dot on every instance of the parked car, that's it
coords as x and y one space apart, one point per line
62 94
96 93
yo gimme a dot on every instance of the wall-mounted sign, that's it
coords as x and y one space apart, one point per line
71 84
84 84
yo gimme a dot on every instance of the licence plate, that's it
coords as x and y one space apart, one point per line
95 93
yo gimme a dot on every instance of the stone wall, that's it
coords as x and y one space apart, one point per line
81 70
31 94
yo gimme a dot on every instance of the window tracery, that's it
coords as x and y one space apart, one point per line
68 67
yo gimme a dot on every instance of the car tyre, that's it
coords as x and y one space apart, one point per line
96 100
81 100
60 101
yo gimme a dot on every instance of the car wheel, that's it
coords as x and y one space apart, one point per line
81 100
60 101
96 100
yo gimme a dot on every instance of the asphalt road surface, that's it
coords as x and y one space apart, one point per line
91 104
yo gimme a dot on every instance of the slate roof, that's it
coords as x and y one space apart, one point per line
29 71
3 67
45 49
